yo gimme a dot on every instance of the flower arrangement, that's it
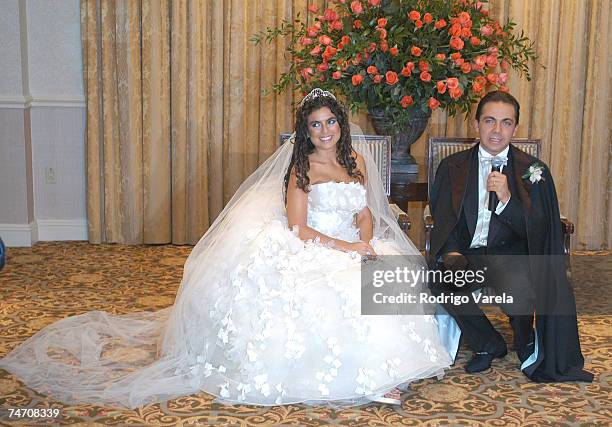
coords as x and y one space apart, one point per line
397 56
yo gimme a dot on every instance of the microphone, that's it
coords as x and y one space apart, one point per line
496 165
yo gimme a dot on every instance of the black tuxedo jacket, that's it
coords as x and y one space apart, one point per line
457 210
529 224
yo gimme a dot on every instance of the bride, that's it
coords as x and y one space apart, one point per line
268 311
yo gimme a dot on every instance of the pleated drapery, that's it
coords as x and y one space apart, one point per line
176 119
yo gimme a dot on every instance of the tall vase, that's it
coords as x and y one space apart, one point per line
404 168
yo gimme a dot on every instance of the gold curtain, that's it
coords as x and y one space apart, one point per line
176 119
175 116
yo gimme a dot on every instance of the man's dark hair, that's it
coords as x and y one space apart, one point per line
498 96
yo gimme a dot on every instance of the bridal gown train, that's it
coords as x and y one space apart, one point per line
275 321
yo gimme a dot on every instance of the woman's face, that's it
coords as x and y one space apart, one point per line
323 128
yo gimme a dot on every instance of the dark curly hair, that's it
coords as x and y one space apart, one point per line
303 146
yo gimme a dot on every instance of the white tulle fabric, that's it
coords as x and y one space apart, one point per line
261 317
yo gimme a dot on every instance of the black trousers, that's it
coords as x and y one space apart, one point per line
508 276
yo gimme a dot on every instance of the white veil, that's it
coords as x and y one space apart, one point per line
135 359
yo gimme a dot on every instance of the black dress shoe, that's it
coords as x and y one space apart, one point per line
481 361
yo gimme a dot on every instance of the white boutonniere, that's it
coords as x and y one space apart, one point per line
534 173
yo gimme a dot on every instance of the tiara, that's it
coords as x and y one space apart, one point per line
315 93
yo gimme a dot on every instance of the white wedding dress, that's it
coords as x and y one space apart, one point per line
261 318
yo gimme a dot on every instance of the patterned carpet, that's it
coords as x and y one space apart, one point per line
52 280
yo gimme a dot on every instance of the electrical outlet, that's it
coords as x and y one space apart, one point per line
50 176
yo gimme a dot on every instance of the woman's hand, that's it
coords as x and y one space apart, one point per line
362 248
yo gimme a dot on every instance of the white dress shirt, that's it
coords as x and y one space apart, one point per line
484 214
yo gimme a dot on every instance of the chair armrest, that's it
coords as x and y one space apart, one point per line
427 218
429 225
401 217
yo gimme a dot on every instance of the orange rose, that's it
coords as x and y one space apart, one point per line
391 77
316 50
441 87
382 33
433 103
440 56
406 101
466 33
425 76
306 73
330 15
406 71
452 82
357 24
455 30
394 51
456 43
377 78
491 60
372 70
464 18
356 79
336 25
372 47
475 41
326 40
480 60
416 51
345 40
356 7
323 67
305 41
486 30
455 55
374 3
466 67
337 75
455 93
329 52
382 22
414 15
418 23
492 78
312 31
423 66
440 23
384 46
428 18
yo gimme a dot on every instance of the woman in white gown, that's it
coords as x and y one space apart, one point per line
268 311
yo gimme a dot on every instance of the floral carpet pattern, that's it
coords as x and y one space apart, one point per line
52 280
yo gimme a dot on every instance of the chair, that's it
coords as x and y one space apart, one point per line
379 146
441 147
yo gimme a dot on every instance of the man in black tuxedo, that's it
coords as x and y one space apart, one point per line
503 241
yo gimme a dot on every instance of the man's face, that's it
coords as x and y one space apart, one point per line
496 126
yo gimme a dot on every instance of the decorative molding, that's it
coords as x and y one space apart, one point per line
18 101
62 229
13 101
15 235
